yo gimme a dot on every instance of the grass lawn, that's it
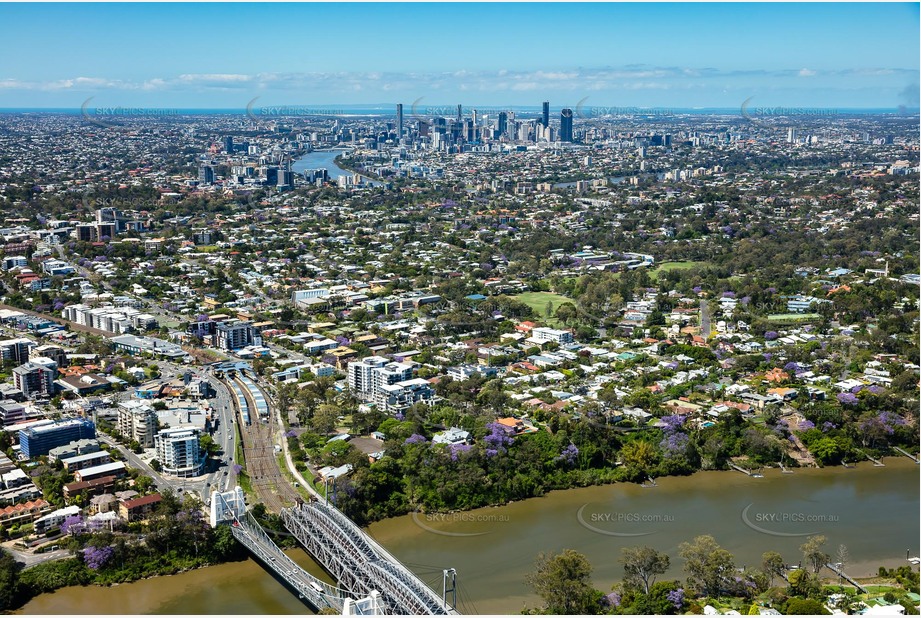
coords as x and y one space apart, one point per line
665 266
794 317
283 466
537 301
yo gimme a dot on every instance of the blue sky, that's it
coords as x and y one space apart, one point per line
831 55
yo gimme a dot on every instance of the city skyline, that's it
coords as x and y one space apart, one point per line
800 55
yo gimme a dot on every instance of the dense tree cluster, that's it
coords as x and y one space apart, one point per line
563 581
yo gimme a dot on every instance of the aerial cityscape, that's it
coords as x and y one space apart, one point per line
419 309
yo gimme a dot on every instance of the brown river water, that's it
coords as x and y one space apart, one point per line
874 511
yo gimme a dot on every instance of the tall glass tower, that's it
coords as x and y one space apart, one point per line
566 124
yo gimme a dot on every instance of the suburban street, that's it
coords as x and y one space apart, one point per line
29 559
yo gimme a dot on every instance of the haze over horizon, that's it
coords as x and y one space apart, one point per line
680 56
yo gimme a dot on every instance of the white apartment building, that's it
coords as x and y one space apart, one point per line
178 451
311 293
543 333
137 421
369 374
16 349
387 384
110 319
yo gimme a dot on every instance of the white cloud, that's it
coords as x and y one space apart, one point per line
584 80
215 77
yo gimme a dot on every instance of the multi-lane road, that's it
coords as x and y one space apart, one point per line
219 471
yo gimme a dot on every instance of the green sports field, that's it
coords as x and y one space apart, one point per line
666 266
537 301
794 317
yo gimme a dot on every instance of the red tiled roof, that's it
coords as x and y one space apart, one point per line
151 499
39 503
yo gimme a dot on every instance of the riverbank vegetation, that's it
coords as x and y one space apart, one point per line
564 583
175 538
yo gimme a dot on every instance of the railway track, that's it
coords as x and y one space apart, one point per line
259 457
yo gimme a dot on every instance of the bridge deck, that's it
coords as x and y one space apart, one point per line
316 592
358 562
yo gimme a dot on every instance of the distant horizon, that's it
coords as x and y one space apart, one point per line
391 108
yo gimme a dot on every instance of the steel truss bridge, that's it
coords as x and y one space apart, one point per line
315 592
358 562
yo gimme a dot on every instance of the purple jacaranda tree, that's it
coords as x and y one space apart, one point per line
73 524
676 598
673 423
498 439
569 455
848 399
675 445
612 599
458 449
96 557
891 420
415 439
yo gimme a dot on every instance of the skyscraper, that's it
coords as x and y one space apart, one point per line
566 125
460 112
503 123
545 119
206 175
228 144
399 121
